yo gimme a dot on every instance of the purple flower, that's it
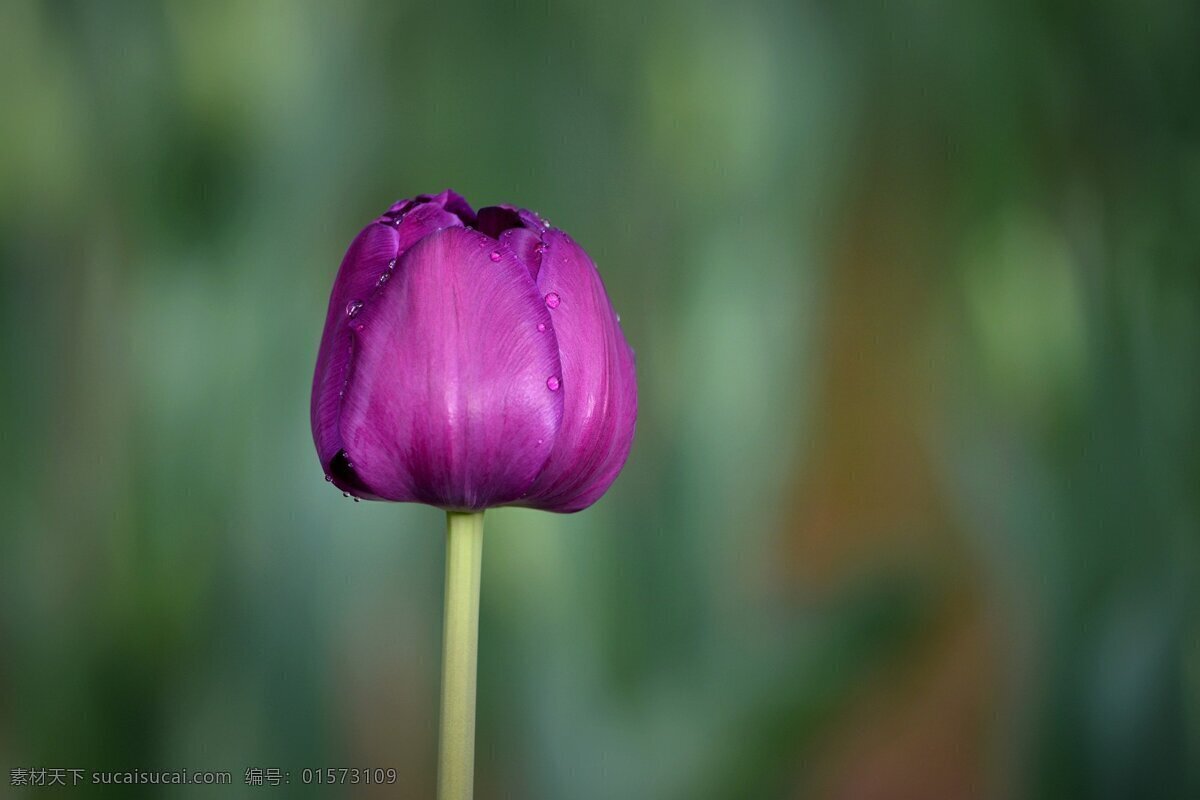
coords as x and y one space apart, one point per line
469 361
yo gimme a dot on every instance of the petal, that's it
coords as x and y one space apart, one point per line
599 384
420 221
368 264
449 201
366 260
515 229
532 220
527 245
448 402
456 204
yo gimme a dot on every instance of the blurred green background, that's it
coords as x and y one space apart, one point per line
914 505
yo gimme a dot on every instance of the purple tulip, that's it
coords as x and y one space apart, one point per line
469 361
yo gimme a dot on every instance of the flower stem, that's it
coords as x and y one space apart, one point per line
460 646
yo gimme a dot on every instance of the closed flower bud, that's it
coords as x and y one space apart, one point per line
470 361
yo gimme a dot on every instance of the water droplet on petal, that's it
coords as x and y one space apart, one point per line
552 383
541 327
495 256
345 494
356 499
540 247
383 278
328 478
359 327
552 300
353 307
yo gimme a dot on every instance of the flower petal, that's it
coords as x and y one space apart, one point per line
420 221
448 402
368 264
598 382
449 201
365 261
528 247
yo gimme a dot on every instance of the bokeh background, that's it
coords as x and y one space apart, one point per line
914 505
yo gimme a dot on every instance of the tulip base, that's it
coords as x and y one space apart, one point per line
460 647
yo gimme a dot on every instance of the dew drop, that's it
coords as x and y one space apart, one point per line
356 499
552 300
540 247
541 327
383 278
495 256
328 478
353 308
552 383
345 494
359 327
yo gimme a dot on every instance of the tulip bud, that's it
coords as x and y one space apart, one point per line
470 361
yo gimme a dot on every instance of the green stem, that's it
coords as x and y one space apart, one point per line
460 646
